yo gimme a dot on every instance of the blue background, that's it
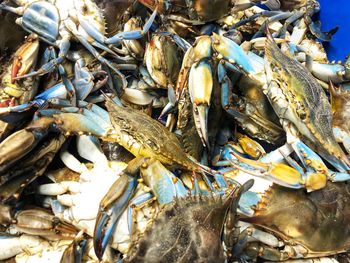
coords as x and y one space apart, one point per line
333 13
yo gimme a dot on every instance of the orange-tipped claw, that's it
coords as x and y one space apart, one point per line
278 172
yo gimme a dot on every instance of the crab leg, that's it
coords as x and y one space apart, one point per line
72 28
17 10
82 84
269 168
315 29
336 73
312 178
251 233
75 251
268 253
294 17
63 46
129 35
71 92
137 203
226 94
273 16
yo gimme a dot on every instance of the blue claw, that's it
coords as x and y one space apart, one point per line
70 90
164 184
226 94
16 10
315 29
165 187
233 53
91 29
137 202
182 43
114 204
335 73
78 123
338 177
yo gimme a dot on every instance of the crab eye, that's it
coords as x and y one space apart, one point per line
301 114
125 125
153 146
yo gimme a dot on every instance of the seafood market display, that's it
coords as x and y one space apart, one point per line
172 131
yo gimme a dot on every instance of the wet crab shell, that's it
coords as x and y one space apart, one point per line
201 10
191 231
318 221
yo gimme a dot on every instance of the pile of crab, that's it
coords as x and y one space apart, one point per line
172 131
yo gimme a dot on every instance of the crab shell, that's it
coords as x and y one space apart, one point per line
195 237
162 58
293 4
308 106
318 221
202 10
340 99
262 122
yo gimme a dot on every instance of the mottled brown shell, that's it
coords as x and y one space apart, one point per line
189 230
340 99
320 220
261 122
146 137
292 4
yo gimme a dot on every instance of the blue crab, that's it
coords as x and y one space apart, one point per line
307 225
198 71
311 113
77 88
14 92
300 16
136 131
58 22
303 109
118 215
197 236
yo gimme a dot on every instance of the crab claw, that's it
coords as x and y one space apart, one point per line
315 29
19 144
279 173
233 53
74 252
113 205
200 88
25 57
